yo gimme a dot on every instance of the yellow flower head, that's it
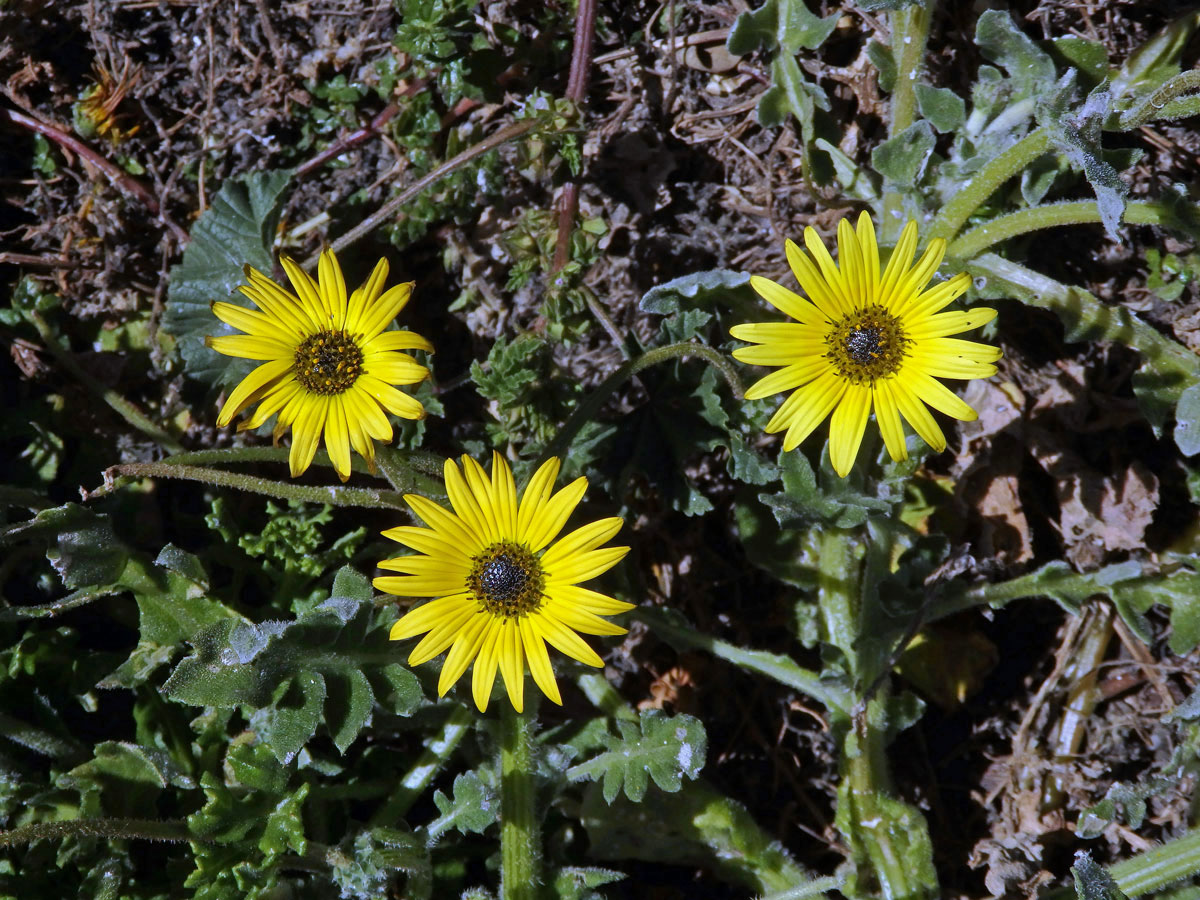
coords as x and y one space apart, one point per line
503 591
865 340
330 366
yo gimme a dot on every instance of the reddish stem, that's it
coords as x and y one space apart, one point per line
581 64
122 180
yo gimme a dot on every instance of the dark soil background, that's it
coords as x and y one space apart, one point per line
676 164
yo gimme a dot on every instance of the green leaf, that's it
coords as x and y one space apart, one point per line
902 159
1092 882
1030 68
325 666
473 808
363 869
1168 369
83 548
285 826
350 702
802 503
695 827
237 230
1089 57
1156 61
881 58
945 110
1077 136
576 882
292 716
664 748
785 24
1187 421
255 766
1127 798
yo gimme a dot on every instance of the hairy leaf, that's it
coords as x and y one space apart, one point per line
237 230
657 746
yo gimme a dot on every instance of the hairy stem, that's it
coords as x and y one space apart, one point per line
113 829
520 835
335 496
1024 221
955 213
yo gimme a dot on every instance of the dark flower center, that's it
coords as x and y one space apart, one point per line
328 362
507 580
867 345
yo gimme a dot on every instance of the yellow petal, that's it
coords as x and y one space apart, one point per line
787 302
465 648
870 253
251 346
567 641
539 659
512 664
897 265
307 293
337 437
949 323
581 597
252 388
430 615
389 398
554 514
588 537
306 434
448 525
918 416
535 497
582 566
465 504
365 296
939 396
847 427
484 675
790 377
822 294
332 288
887 415
381 313
396 340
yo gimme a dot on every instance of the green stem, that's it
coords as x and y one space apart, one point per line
956 212
772 665
113 829
335 496
889 840
593 403
1152 871
1024 221
431 761
122 407
81 597
1165 103
1159 867
520 836
910 33
412 471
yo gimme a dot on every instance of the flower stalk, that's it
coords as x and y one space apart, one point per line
520 836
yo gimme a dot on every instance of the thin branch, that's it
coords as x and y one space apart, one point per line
581 64
121 180
385 212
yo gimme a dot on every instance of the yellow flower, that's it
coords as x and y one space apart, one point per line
503 590
864 340
330 366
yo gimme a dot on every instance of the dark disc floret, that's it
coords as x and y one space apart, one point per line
328 362
507 580
867 345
